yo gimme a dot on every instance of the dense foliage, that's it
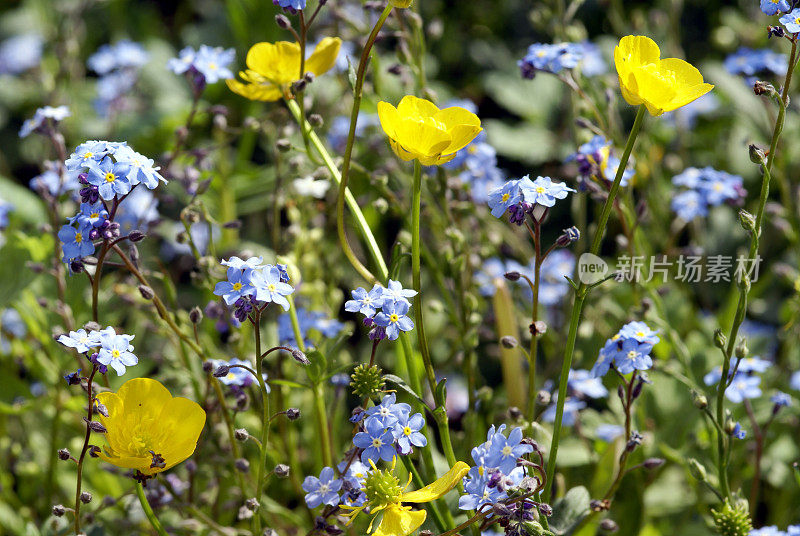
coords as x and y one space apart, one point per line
393 267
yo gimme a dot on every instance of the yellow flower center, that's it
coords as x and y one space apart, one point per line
797 20
407 431
94 215
115 354
640 333
110 177
271 287
78 238
212 66
505 197
506 451
540 190
377 443
717 187
88 154
393 318
237 286
472 149
632 354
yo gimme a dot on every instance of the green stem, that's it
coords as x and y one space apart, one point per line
348 152
148 511
537 269
416 201
265 420
723 443
352 204
319 405
580 298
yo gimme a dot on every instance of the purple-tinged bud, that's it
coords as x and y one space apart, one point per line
300 357
146 292
609 525
512 276
282 21
546 509
281 470
64 454
95 426
292 414
653 463
242 465
136 236
570 235
83 178
59 510
86 497
94 451
222 370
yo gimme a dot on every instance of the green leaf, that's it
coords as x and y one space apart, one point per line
570 510
318 366
441 391
351 74
27 205
289 383
399 382
14 276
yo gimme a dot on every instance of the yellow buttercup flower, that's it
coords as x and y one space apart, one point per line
662 85
272 67
384 494
417 129
148 429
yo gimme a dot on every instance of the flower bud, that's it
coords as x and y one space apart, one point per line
699 400
609 525
86 497
741 348
282 21
543 397
509 342
59 510
241 434
281 470
222 370
315 120
653 463
195 315
545 510
697 470
242 465
300 357
512 276
292 414
756 155
747 221
720 340
146 292
64 455
570 235
95 426
136 236
283 145
514 413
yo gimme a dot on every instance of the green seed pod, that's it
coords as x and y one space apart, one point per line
732 520
366 381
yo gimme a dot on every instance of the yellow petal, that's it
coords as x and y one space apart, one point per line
399 521
411 106
635 50
462 125
688 95
685 73
421 138
267 93
324 56
389 118
141 394
183 421
438 488
278 62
